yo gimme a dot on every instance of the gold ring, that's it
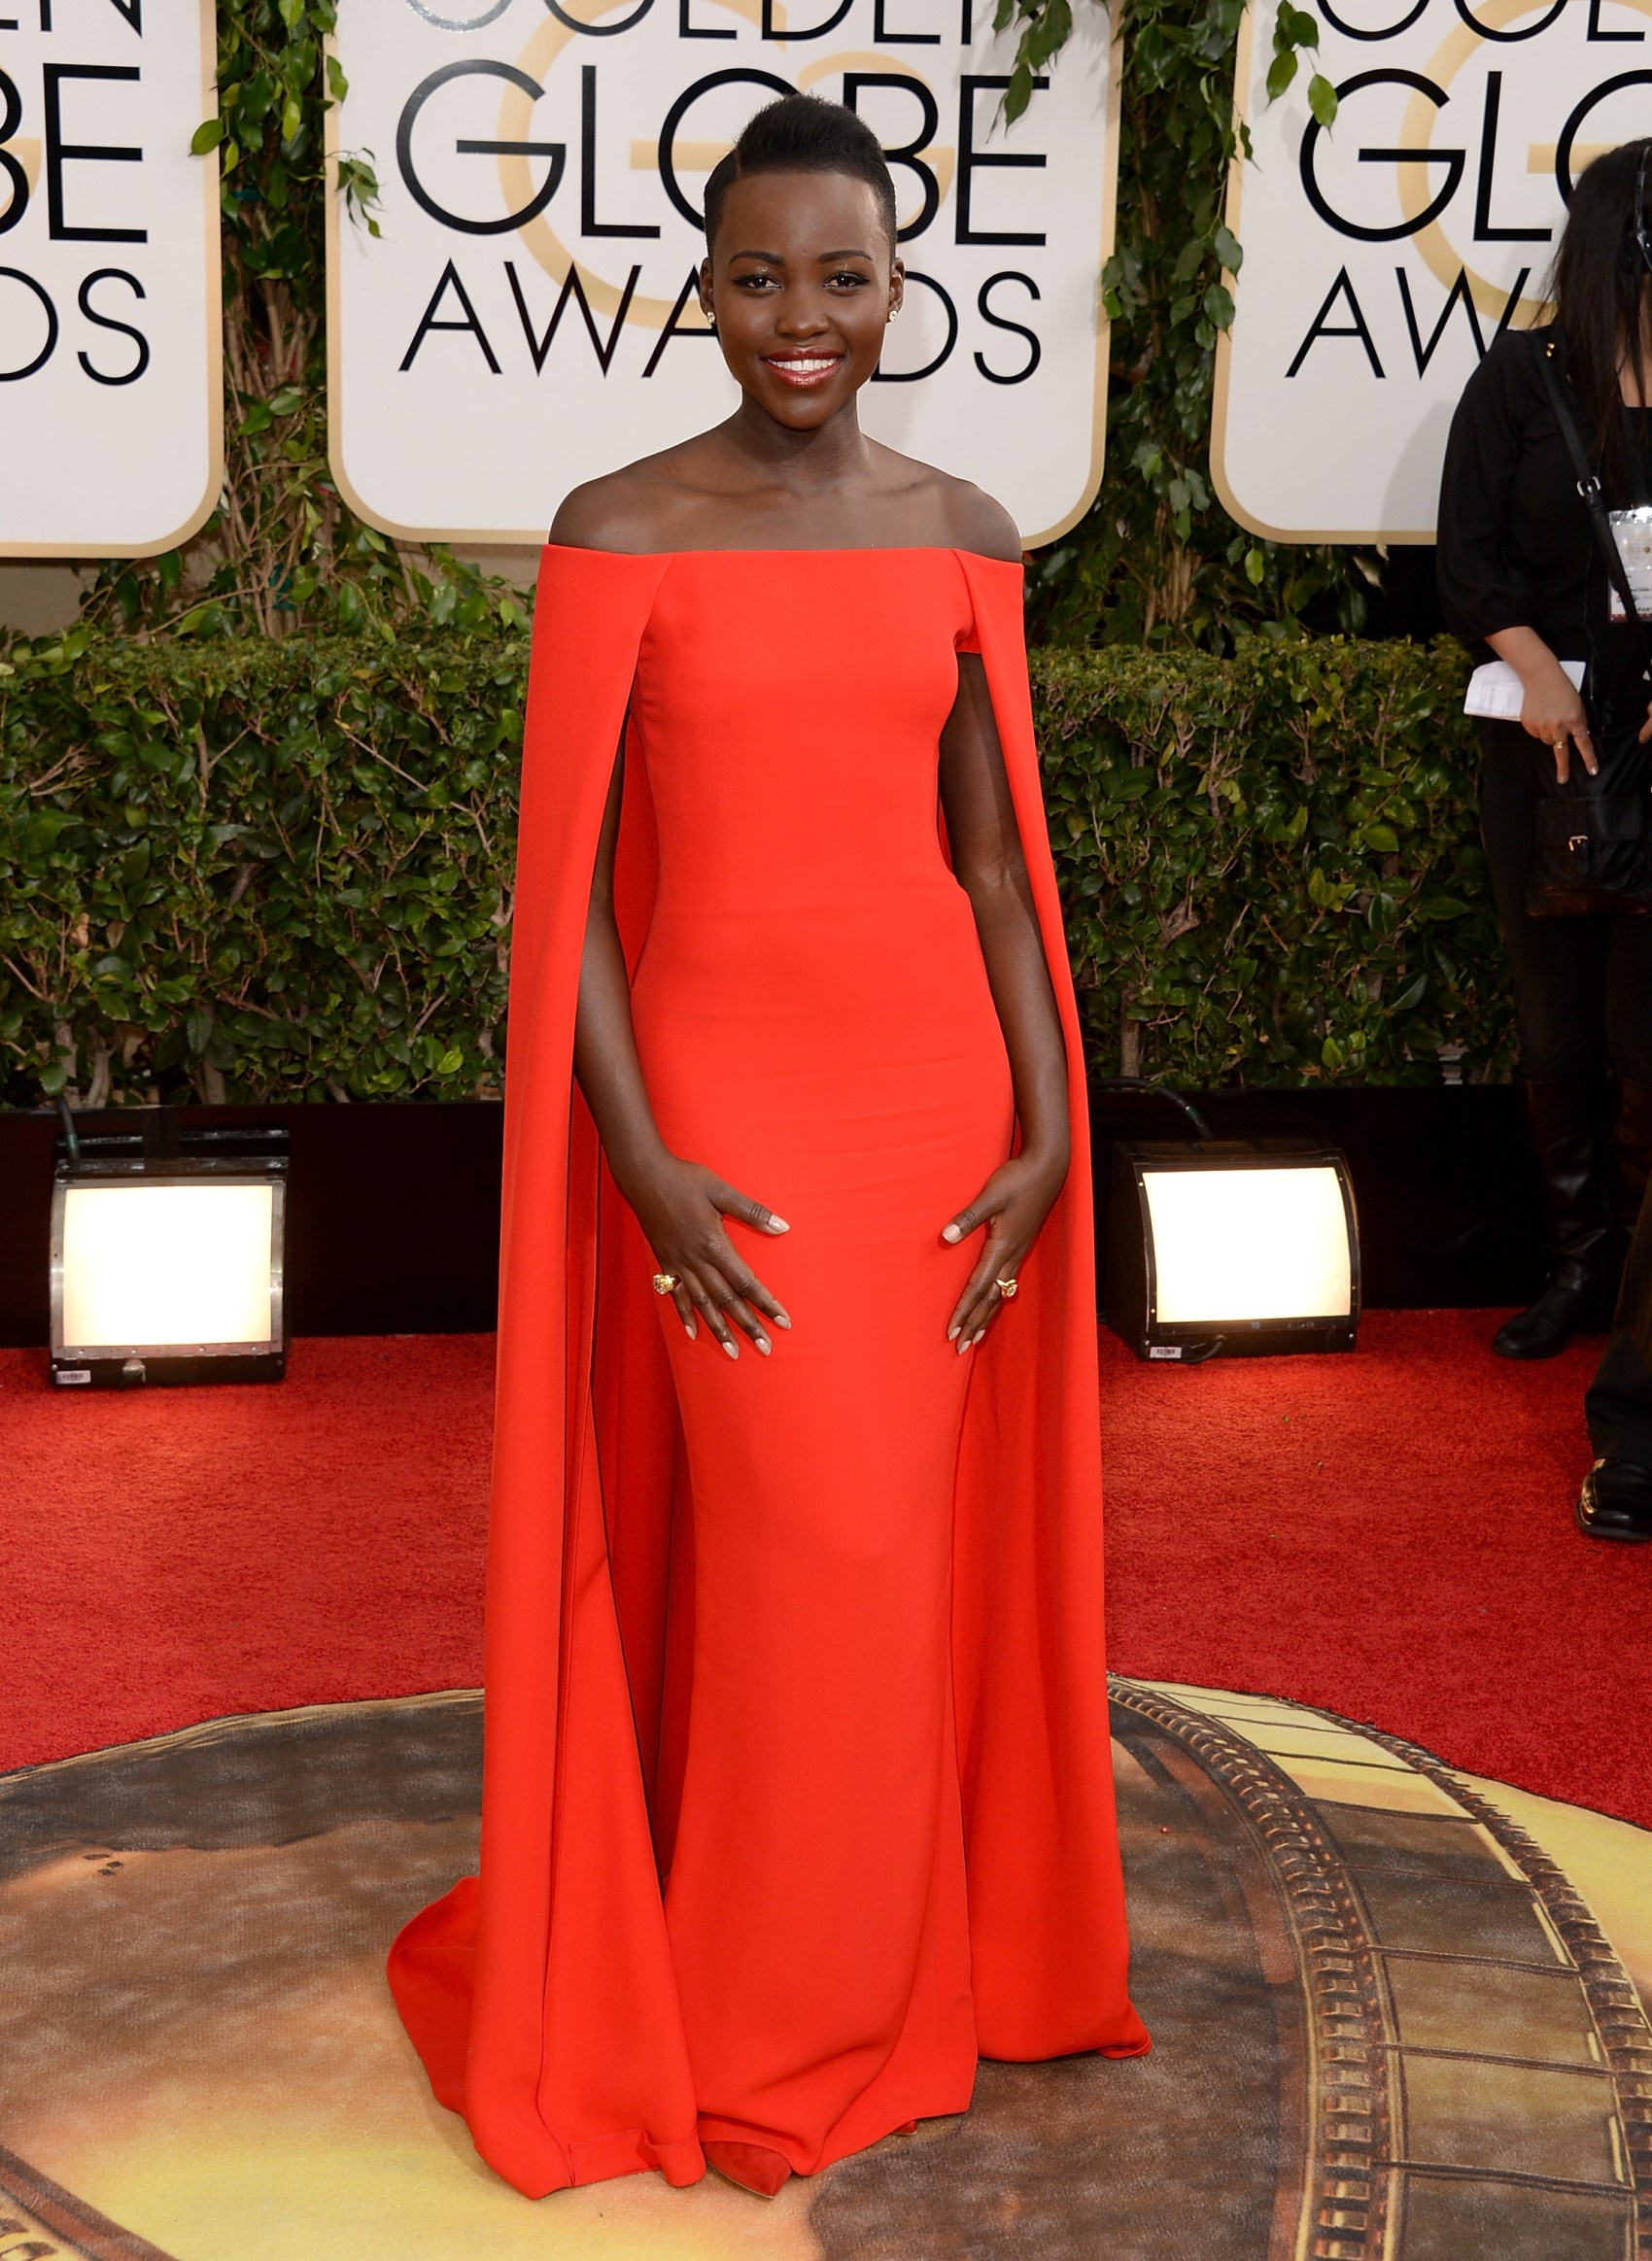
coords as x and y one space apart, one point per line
1006 1288
664 1283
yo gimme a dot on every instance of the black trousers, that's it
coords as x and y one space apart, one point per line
1582 986
1583 1001
1618 1403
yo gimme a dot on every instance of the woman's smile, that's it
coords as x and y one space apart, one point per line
803 369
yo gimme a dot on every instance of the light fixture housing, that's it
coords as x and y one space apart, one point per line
1231 1250
167 1258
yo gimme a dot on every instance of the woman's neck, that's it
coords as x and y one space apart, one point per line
808 462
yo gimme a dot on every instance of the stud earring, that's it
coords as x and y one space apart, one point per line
710 320
890 315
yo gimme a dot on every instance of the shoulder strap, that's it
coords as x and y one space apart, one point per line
1594 499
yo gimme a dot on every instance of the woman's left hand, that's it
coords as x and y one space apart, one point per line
1013 1205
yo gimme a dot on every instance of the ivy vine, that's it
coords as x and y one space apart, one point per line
282 551
1158 559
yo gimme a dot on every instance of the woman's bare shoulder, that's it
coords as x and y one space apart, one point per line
956 514
636 510
980 522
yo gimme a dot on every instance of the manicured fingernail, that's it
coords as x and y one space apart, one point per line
693 1330
780 1320
730 1347
778 1224
951 1334
965 1343
764 1344
951 1232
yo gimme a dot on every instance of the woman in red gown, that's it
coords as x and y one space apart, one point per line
797 1796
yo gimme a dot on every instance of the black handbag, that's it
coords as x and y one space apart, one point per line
1592 850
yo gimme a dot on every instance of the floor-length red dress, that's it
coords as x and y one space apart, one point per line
797 1793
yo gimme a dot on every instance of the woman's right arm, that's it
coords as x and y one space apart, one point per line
1486 597
679 1204
1551 707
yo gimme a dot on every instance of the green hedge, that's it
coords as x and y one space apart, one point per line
281 869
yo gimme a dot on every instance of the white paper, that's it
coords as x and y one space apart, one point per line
1497 690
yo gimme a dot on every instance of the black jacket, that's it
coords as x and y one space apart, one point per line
1516 549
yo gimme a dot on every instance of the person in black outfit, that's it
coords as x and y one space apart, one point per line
1522 579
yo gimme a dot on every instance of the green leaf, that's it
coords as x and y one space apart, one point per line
1321 100
1304 28
1130 784
1020 91
206 136
1281 72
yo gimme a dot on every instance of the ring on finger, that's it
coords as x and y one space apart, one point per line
1008 1288
665 1283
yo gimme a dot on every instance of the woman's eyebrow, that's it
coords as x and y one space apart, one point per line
850 254
774 259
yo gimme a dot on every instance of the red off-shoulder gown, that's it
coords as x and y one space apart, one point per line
797 1793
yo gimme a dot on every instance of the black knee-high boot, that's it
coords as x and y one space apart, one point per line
1567 1132
1632 1154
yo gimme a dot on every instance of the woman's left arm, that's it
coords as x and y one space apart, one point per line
986 844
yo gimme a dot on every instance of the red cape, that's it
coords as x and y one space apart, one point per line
541 1996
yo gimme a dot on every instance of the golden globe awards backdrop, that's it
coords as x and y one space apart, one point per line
110 397
1383 255
527 318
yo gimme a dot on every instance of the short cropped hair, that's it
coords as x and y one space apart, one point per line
801 133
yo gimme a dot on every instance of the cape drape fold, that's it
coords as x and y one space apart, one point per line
541 1996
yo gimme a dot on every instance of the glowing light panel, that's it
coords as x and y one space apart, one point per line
1249 1243
146 1266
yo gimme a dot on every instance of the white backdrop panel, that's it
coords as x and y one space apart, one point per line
479 429
1459 120
110 412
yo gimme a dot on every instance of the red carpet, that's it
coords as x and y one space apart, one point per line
1387 1534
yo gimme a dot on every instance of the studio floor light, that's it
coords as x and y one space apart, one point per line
167 1257
1226 1249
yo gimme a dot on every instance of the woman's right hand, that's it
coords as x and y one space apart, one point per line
680 1207
1554 711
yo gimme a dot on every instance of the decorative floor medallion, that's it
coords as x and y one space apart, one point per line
1397 2014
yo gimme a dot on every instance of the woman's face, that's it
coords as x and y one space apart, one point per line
802 283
